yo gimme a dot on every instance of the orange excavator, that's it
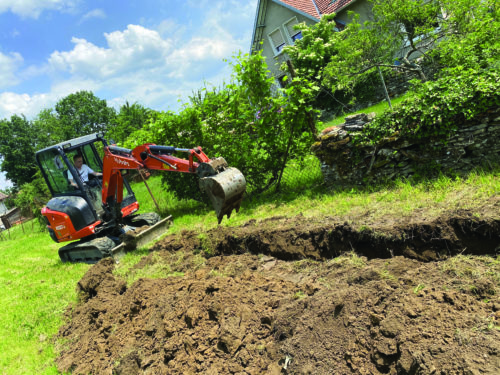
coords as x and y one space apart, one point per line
100 213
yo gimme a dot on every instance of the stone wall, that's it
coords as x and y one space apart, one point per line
473 144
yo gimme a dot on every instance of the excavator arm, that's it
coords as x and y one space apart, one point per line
224 186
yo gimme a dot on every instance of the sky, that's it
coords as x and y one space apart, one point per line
153 52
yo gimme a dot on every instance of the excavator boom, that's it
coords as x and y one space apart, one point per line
224 186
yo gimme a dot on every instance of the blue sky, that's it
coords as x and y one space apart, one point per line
154 52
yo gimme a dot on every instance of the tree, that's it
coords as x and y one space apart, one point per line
18 142
129 119
243 121
472 39
79 114
32 197
315 50
403 35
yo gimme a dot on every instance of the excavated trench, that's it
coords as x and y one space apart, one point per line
299 296
298 238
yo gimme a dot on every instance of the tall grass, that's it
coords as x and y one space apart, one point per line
359 206
35 289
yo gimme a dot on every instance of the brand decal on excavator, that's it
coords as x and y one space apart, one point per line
122 162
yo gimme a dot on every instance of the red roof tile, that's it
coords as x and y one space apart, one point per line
329 6
306 6
312 7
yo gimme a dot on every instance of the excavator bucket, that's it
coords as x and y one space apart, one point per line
225 191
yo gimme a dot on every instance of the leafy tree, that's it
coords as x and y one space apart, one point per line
315 50
243 121
33 196
50 127
18 142
472 35
129 119
402 34
399 32
79 114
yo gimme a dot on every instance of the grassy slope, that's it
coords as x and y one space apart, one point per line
35 290
36 287
377 108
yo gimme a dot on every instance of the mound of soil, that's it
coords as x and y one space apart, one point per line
298 296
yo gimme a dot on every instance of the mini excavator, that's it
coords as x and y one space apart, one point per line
97 215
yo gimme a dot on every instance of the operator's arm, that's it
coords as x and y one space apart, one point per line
91 171
71 179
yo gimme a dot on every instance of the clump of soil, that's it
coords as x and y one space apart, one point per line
298 296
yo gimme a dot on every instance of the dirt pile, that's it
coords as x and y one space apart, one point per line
291 296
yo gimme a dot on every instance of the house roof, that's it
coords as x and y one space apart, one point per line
3 196
305 6
312 9
329 6
316 8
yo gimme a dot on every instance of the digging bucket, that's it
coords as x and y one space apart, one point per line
225 191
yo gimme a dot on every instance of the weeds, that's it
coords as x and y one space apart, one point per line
418 288
299 295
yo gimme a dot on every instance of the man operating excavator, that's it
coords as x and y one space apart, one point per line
83 171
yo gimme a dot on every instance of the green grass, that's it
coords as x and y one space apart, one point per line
36 287
377 108
358 206
35 290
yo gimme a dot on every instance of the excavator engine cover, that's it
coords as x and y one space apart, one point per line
225 190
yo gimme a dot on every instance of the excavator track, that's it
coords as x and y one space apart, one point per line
138 231
87 251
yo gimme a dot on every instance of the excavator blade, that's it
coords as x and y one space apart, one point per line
140 237
225 190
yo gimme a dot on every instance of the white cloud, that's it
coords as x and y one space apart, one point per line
156 66
95 13
9 64
30 105
136 48
33 8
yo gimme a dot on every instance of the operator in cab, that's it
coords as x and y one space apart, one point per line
83 171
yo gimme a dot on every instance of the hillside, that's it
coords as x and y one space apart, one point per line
415 294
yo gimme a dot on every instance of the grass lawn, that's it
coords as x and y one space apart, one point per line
35 289
377 108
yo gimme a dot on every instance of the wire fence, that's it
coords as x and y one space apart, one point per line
299 173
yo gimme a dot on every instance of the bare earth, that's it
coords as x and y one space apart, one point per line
300 296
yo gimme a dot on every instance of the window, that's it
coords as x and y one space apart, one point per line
291 31
277 41
339 25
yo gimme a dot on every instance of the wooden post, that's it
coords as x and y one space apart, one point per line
150 193
385 88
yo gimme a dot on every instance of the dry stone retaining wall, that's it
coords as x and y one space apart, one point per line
342 162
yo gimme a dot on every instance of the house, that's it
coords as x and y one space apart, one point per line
275 20
3 207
